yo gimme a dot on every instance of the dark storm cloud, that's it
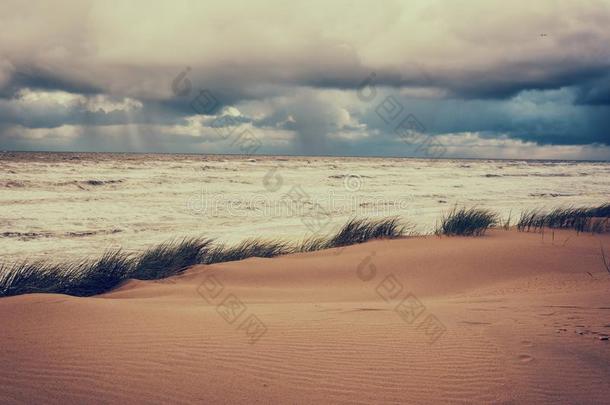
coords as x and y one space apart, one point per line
595 92
36 78
530 71
510 80
544 117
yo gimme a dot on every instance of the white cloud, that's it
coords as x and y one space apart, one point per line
106 104
28 98
54 136
474 145
41 99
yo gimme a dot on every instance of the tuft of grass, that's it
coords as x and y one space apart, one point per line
25 277
356 231
313 243
584 219
467 222
506 225
169 258
92 277
362 230
245 249
598 225
529 219
84 278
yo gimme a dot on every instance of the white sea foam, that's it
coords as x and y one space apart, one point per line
74 205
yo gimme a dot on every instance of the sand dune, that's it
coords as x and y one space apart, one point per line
510 317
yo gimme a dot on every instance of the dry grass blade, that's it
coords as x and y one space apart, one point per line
601 247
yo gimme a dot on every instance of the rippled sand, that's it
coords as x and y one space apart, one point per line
506 318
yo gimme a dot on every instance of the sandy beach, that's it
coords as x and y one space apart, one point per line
510 317
320 202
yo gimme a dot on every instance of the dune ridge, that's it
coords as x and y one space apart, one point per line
523 314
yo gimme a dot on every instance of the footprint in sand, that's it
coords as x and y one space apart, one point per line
525 358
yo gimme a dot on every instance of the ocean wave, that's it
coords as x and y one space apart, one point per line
14 184
25 236
543 195
536 175
101 182
343 176
91 182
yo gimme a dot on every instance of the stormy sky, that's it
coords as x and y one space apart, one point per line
485 79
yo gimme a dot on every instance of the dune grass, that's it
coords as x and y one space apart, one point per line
95 276
584 219
467 222
356 231
84 278
169 258
245 249
91 277
507 223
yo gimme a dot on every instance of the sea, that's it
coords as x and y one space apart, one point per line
63 206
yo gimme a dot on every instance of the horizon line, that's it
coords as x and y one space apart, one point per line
315 156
